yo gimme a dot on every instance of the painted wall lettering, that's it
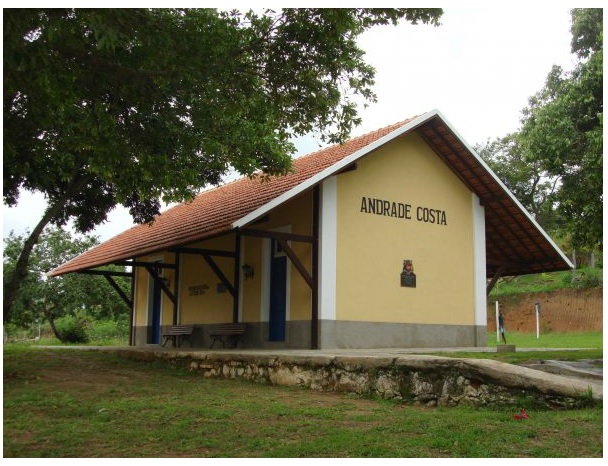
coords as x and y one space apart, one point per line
426 215
382 207
370 205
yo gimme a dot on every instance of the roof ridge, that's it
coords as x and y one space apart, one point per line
354 139
260 173
308 155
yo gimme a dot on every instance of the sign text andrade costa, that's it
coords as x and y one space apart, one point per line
401 210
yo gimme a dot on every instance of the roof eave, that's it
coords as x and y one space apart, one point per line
506 190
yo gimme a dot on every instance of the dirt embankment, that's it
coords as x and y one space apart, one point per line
565 310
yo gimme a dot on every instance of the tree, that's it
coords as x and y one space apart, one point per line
129 106
42 298
525 178
562 130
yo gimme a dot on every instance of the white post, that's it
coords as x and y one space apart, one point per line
497 326
537 305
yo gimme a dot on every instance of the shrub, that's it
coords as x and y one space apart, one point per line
590 278
584 278
73 329
110 331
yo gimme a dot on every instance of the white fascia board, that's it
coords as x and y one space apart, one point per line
506 190
329 171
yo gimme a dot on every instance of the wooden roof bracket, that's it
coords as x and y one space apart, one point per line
276 235
282 239
218 272
495 278
158 280
296 262
109 274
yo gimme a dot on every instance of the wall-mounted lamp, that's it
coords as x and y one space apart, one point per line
248 271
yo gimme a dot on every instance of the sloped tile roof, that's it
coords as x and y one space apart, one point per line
515 243
214 211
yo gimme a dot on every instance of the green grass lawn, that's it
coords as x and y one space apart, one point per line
544 282
71 403
566 347
551 340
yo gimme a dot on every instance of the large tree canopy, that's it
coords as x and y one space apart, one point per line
563 131
129 106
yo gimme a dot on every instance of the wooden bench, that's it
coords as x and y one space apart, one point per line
227 331
176 333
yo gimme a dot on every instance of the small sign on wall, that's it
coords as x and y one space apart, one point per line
197 290
408 277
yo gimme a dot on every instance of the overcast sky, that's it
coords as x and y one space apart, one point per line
478 68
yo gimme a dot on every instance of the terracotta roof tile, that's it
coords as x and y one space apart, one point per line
214 211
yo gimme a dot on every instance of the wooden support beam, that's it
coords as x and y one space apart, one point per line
176 288
207 255
109 274
237 277
113 273
161 265
160 282
119 290
132 314
209 252
494 279
277 235
219 273
296 262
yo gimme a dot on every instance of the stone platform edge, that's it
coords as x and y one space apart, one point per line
421 379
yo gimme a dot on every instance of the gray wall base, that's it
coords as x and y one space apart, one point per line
341 334
348 334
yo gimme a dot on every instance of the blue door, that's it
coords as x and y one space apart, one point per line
278 294
154 313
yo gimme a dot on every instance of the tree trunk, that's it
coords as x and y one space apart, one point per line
49 317
11 288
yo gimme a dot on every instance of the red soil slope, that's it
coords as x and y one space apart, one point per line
560 311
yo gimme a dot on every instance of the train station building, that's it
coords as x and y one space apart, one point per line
391 239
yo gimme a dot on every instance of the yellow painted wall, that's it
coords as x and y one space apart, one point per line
297 214
140 298
142 291
200 301
371 248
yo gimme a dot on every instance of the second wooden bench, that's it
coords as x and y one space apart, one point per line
227 331
176 332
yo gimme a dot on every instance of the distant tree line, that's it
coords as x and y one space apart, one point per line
70 303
